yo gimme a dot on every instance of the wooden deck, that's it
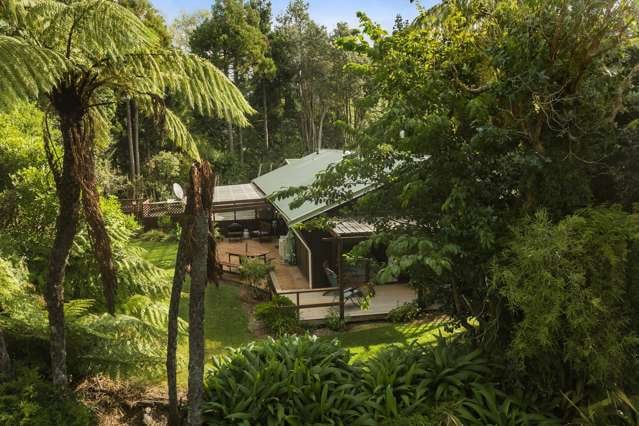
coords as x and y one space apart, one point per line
284 276
386 298
288 278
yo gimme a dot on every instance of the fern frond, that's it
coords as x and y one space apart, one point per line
154 314
27 70
179 134
204 87
75 309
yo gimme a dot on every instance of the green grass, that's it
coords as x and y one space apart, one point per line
364 342
225 321
161 254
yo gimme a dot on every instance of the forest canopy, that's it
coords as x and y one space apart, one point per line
502 140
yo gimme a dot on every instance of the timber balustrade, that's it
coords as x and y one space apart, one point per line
298 307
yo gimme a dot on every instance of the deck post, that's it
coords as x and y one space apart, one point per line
340 282
298 305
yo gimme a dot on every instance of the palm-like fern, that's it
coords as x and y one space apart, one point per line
49 43
77 58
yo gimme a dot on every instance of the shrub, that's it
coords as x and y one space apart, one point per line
333 321
290 381
491 406
404 313
303 380
30 400
570 289
278 315
394 382
165 168
256 273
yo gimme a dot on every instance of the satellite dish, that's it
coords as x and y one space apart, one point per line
178 192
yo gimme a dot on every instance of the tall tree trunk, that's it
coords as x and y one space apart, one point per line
5 360
129 128
320 132
181 262
229 129
68 190
99 236
241 141
202 186
264 99
136 137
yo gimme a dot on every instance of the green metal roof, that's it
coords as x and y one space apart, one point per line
302 172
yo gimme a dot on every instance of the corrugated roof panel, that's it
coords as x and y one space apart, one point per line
232 193
302 172
345 227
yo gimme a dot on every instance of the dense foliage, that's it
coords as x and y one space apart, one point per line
490 113
278 315
30 400
302 380
572 288
292 72
133 341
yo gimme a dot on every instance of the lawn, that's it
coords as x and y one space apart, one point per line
225 321
366 339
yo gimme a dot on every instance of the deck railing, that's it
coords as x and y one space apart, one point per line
298 307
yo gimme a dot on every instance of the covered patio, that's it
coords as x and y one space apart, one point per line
284 276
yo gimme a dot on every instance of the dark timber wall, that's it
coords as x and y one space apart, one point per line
301 258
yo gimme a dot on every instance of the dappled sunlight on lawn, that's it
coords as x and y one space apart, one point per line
365 342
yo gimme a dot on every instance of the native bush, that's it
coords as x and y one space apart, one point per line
278 315
405 313
21 142
164 169
489 406
303 380
290 381
28 399
569 289
131 341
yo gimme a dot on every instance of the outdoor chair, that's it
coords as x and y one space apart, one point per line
234 232
351 294
264 232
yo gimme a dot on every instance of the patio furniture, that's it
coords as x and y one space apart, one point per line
264 232
234 232
249 256
351 294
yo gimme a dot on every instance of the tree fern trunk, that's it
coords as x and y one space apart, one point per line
99 235
129 128
136 139
179 274
68 190
202 184
5 360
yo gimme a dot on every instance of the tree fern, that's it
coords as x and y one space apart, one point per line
53 41
130 341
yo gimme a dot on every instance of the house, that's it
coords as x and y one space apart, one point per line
304 257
